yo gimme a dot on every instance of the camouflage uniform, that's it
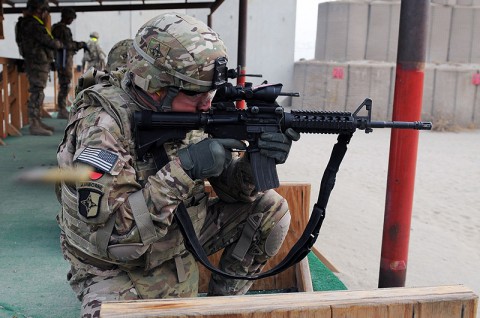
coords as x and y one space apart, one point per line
95 57
63 33
117 57
38 49
118 251
65 61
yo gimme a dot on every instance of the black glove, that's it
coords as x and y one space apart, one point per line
85 47
208 158
277 145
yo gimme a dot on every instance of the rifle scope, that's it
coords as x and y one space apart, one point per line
266 93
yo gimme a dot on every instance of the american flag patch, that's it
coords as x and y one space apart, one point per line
98 158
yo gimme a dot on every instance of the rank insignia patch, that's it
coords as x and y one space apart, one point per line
89 202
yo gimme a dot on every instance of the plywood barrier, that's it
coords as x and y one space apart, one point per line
425 302
296 278
13 94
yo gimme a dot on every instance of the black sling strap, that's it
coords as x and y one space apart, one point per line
304 244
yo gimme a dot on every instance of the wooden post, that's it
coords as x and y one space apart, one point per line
9 111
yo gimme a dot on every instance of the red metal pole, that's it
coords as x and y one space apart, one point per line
407 106
242 46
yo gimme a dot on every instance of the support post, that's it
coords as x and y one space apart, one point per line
407 106
242 46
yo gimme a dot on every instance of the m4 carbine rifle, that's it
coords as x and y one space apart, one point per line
262 114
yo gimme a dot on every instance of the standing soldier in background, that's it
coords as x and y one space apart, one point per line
37 46
64 63
94 57
114 71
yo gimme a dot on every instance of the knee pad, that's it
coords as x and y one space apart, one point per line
277 235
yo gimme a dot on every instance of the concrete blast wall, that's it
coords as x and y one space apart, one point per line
368 30
450 98
356 53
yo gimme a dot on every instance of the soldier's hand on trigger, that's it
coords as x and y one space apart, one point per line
277 145
209 157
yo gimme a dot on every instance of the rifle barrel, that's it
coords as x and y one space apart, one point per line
290 94
418 125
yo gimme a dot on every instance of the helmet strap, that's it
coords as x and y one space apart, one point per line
166 102
143 98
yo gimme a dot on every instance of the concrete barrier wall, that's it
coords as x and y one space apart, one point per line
451 92
383 24
358 30
457 2
355 58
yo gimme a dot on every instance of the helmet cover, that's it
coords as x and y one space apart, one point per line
175 50
33 5
117 57
68 13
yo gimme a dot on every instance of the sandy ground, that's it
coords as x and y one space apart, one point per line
445 228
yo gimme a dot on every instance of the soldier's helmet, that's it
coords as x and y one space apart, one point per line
117 57
68 13
33 5
94 35
176 50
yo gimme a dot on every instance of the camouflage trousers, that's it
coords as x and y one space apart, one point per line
64 79
224 226
37 75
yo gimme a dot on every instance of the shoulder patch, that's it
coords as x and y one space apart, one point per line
89 202
101 159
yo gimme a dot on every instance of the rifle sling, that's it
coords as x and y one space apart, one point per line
159 156
304 244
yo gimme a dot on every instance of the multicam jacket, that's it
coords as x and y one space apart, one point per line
95 58
37 44
97 215
63 33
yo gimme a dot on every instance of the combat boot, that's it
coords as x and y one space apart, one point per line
45 126
62 113
37 129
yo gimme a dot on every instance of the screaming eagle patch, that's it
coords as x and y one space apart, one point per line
89 202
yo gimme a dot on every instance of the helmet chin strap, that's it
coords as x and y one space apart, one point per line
166 102
164 105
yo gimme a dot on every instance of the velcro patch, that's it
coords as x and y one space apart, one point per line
95 175
89 202
101 159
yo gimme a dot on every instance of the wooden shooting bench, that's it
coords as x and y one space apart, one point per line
423 302
427 302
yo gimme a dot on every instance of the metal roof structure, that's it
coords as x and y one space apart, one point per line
17 6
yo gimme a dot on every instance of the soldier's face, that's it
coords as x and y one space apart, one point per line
192 103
